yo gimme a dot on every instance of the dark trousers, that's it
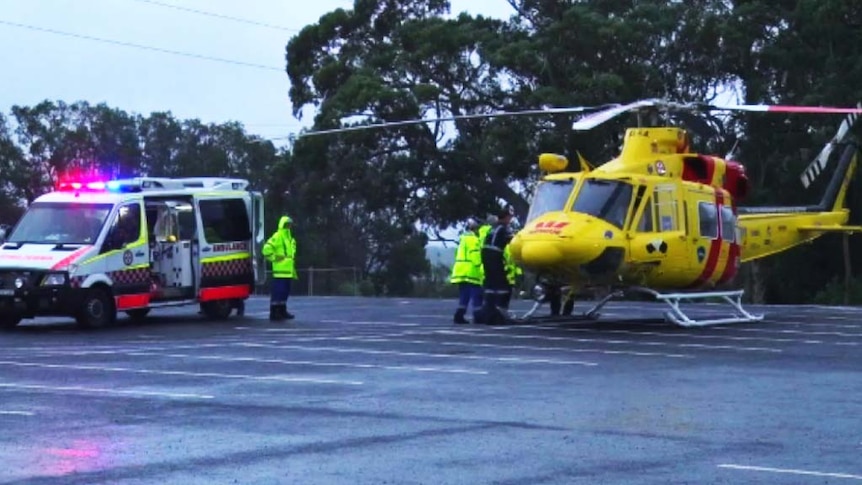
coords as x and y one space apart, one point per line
496 286
469 293
279 291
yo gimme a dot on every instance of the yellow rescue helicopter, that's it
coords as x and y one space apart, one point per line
661 220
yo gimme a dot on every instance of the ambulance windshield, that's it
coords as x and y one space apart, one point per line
61 223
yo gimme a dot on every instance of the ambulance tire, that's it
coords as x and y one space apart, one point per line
218 309
8 322
98 309
138 315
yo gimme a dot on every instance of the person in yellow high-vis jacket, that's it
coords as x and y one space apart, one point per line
467 271
513 272
280 250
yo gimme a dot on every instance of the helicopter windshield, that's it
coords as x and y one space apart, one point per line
605 199
550 196
57 223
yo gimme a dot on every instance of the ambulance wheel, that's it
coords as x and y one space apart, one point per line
8 322
217 310
138 314
97 310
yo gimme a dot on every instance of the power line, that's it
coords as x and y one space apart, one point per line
219 16
140 46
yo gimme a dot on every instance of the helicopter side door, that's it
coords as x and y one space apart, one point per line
713 236
656 236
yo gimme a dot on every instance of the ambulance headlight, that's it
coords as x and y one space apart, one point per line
19 282
54 279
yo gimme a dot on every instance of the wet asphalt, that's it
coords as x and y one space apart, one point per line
390 391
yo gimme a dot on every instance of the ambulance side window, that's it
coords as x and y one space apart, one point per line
125 228
225 220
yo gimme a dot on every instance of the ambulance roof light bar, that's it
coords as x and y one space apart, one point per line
214 183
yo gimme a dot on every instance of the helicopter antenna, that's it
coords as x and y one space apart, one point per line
732 151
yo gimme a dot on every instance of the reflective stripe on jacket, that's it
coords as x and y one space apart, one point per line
280 250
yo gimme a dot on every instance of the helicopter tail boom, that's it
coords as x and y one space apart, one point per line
769 230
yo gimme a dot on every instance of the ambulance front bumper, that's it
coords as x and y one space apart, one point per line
31 293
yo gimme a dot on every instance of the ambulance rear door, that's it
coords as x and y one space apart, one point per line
226 266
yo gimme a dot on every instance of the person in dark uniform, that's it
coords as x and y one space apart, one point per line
496 285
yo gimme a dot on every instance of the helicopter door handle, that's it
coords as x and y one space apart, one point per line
207 249
139 253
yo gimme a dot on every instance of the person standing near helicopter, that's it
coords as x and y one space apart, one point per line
467 271
496 284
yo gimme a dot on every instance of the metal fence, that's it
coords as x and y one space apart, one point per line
341 281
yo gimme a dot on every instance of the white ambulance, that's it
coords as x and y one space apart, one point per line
92 249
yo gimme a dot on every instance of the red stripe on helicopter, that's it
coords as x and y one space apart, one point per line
714 250
731 266
70 258
127 302
225 293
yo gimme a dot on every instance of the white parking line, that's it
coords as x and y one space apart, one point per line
16 413
96 390
696 336
649 343
792 332
271 378
515 360
255 360
512 347
791 471
373 322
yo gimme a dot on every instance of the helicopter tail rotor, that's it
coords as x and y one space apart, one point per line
815 168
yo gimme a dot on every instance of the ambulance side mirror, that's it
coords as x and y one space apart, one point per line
4 231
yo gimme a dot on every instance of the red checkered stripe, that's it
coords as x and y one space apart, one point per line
130 276
232 267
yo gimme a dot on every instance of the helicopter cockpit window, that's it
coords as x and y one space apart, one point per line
728 224
708 215
646 222
550 196
608 200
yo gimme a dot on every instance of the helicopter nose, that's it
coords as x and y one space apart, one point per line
542 253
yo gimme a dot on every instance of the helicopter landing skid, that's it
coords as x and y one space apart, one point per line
591 314
677 316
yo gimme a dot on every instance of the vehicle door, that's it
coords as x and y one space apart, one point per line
657 231
257 231
226 243
125 250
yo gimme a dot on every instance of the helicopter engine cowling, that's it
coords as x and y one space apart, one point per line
735 180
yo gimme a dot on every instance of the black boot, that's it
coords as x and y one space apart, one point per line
275 313
569 307
459 316
286 314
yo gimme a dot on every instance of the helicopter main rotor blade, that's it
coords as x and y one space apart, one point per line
418 121
767 108
591 121
815 168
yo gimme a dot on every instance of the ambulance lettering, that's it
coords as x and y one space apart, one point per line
225 247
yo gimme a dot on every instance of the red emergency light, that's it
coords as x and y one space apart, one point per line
76 186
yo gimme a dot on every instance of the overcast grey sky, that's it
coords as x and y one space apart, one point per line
38 65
